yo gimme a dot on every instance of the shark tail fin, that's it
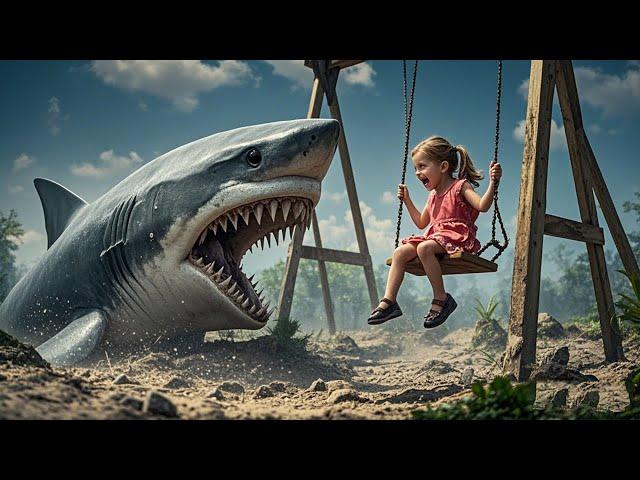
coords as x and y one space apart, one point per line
59 205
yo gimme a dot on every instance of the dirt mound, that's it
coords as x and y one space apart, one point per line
17 353
549 327
489 334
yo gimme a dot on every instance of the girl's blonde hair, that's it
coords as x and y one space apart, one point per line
439 149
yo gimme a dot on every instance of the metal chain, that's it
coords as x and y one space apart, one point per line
501 247
407 129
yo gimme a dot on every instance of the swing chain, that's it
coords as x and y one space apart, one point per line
501 247
407 129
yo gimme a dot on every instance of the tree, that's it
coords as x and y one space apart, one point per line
10 231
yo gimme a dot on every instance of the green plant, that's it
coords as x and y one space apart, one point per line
499 400
630 306
486 313
284 334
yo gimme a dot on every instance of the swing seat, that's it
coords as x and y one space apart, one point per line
453 264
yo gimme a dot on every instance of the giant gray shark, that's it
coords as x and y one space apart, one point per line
160 253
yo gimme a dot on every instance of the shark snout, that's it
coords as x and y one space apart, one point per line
319 140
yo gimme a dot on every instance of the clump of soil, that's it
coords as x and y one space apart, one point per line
17 353
549 327
489 334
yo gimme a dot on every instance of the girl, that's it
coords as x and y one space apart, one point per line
450 213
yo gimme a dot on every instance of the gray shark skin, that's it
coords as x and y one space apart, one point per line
159 254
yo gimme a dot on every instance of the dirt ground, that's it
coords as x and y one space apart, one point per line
362 375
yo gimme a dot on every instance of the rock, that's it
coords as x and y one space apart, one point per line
157 404
2 378
176 383
467 377
18 353
559 355
437 366
86 373
342 343
131 402
333 385
344 395
216 393
277 386
263 391
573 329
559 398
632 384
318 386
589 399
489 334
553 366
413 395
549 327
122 379
232 387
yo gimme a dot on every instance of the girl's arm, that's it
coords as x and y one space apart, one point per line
421 220
483 204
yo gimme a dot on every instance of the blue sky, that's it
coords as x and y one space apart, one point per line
89 124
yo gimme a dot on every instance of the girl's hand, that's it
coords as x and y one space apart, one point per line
403 192
495 170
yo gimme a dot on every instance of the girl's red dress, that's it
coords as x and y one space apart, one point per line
452 221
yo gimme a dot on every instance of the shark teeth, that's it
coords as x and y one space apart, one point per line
294 211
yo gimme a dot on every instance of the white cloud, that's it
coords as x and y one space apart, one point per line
29 236
22 162
380 233
388 197
613 94
180 81
556 142
293 70
107 164
302 77
595 129
337 197
55 116
360 74
13 189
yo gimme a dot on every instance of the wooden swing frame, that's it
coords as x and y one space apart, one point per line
533 221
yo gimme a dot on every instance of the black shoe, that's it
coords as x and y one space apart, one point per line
381 315
435 318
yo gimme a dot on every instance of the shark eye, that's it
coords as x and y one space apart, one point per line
254 157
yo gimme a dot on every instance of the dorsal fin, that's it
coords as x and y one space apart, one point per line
59 205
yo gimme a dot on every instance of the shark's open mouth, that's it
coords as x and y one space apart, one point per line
219 250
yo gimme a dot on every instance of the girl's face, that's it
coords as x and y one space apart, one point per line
429 172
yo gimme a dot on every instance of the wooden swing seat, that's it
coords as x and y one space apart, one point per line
453 264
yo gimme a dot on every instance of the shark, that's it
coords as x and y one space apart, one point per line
160 253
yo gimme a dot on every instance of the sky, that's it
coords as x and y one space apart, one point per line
88 124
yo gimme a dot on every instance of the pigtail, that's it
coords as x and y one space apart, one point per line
468 170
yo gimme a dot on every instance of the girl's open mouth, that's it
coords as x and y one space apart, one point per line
425 182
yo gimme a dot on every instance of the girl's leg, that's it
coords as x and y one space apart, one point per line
427 251
403 254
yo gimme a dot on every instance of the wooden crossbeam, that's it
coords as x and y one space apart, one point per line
337 63
330 255
572 230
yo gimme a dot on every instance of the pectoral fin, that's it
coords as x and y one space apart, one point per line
76 341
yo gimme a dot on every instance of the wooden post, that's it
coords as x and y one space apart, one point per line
318 253
324 282
355 205
608 208
288 285
523 317
572 119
